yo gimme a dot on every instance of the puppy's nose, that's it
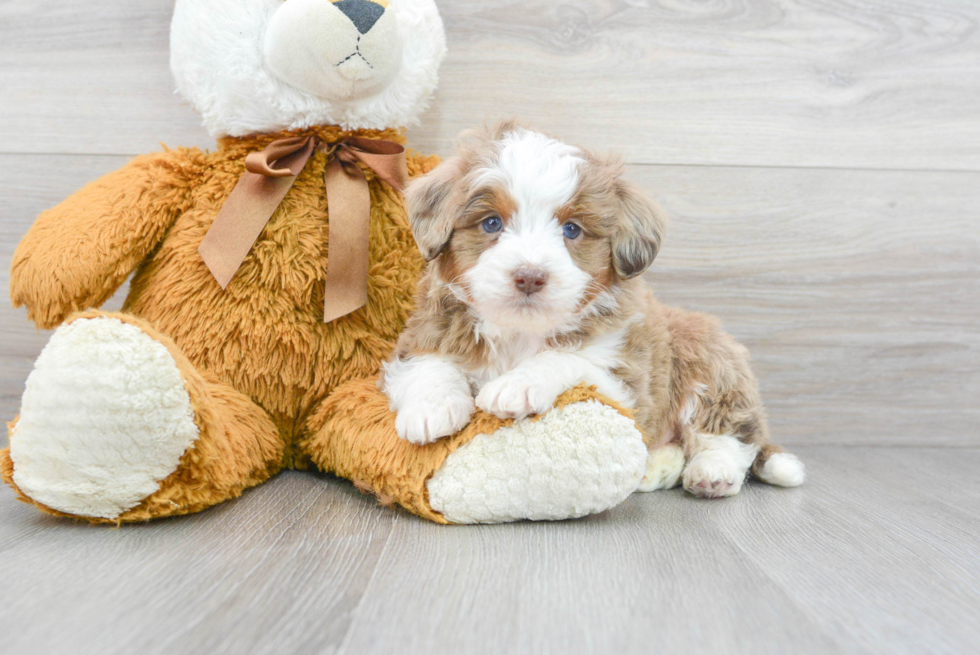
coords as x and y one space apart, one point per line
363 13
530 279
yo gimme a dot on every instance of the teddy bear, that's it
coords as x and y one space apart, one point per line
270 278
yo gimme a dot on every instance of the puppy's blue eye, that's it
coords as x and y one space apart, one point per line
571 230
492 224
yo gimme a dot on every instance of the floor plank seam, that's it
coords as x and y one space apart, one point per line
345 641
242 579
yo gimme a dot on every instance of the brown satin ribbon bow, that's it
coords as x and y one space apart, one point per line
269 176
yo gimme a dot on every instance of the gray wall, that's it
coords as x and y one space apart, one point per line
820 162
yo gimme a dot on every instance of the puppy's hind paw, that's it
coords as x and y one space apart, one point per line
712 475
707 487
720 468
426 419
664 466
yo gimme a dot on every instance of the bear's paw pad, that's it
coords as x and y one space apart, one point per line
104 418
578 459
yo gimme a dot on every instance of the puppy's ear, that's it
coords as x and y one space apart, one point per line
641 226
432 202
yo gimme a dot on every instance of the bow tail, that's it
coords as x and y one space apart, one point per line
349 208
269 176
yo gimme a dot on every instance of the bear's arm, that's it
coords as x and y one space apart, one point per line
77 254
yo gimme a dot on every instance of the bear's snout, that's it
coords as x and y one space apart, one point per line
363 13
337 50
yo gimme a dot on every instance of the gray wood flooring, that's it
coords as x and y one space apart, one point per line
820 162
878 553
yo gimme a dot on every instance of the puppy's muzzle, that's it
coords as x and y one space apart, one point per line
530 279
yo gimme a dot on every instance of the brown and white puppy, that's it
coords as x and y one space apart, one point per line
535 248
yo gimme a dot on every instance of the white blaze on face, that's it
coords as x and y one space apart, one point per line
541 175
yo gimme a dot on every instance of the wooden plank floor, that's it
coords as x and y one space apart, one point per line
820 162
876 554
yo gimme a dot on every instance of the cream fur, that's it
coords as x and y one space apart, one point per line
578 459
220 56
664 467
110 400
342 64
718 467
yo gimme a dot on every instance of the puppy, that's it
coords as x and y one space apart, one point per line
535 248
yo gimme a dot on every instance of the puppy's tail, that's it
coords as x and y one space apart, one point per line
773 466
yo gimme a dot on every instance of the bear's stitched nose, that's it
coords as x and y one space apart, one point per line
530 279
363 13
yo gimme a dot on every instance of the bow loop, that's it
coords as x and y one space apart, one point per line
270 173
385 158
282 158
345 156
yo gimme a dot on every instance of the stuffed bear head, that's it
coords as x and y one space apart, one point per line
253 66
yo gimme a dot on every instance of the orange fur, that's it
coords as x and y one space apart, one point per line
257 359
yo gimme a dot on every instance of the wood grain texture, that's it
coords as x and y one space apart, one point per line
882 84
869 557
858 292
90 78
290 566
868 533
853 562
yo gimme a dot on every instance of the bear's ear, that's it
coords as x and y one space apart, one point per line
640 228
432 202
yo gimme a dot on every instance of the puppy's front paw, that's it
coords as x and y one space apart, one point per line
429 417
516 395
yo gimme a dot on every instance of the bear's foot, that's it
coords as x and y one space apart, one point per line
577 459
116 425
105 417
583 456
